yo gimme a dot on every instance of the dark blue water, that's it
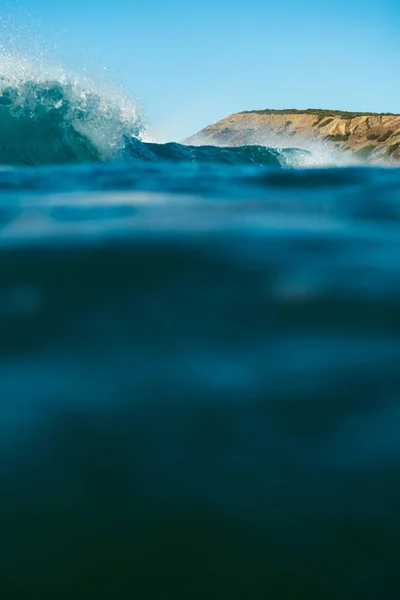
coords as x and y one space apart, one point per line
199 373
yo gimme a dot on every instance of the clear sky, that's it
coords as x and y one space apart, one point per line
193 63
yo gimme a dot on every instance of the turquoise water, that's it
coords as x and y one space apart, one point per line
199 376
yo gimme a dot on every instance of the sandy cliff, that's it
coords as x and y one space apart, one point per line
372 136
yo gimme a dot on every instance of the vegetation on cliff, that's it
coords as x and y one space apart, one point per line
320 112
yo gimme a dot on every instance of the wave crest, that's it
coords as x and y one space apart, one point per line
49 119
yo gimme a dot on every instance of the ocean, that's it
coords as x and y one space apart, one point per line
199 374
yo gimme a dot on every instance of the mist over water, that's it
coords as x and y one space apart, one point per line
199 383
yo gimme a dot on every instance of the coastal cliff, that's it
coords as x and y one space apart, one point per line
370 136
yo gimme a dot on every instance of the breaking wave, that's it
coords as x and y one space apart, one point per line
50 119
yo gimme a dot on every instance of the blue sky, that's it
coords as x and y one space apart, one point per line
193 63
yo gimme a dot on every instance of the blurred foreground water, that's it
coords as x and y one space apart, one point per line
199 382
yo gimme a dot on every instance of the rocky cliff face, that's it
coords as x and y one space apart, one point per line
374 137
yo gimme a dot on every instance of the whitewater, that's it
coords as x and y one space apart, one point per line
199 359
